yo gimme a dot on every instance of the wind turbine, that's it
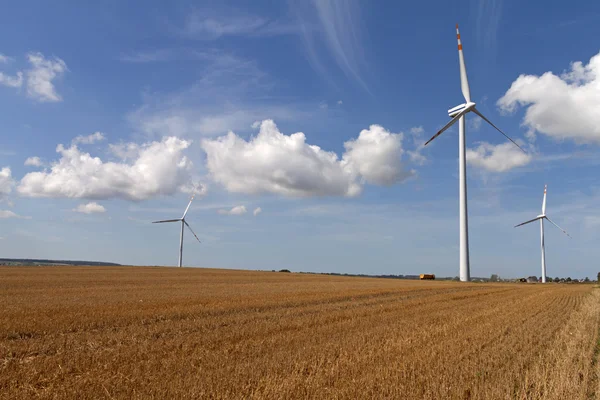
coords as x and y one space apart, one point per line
542 217
458 114
183 222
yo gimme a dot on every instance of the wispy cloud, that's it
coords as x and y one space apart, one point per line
41 76
339 34
89 139
90 208
212 23
33 162
232 94
158 55
487 19
237 210
9 214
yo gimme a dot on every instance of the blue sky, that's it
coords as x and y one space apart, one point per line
315 112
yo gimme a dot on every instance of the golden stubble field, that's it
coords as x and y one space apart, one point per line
133 332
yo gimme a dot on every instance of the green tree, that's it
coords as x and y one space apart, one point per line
569 279
586 279
557 279
548 279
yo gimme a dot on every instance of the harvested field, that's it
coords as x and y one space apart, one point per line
129 332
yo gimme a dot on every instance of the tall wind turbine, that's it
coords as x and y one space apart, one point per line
542 217
183 222
458 114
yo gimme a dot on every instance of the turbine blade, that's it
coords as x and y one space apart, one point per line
544 202
449 124
167 220
563 231
476 111
530 221
188 206
464 83
190 228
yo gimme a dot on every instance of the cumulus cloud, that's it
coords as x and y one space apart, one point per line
4 214
257 211
562 107
6 182
11 81
375 155
89 139
33 162
237 210
158 168
41 75
273 162
90 208
497 158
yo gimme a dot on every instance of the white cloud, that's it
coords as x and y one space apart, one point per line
6 182
237 210
273 162
376 155
5 59
497 158
33 162
11 81
323 105
562 107
89 139
257 211
90 208
39 78
159 168
4 214
340 102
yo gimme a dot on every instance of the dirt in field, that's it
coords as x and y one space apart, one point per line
132 332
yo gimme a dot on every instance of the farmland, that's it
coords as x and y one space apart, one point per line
133 332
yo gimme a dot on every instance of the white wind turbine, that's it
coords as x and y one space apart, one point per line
183 222
458 114
542 217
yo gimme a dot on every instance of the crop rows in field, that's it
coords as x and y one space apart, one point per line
167 333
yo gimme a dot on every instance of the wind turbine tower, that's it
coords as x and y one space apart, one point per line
458 114
183 222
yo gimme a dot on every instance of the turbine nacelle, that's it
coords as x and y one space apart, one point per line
453 112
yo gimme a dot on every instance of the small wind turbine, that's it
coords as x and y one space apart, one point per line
542 217
183 222
458 114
